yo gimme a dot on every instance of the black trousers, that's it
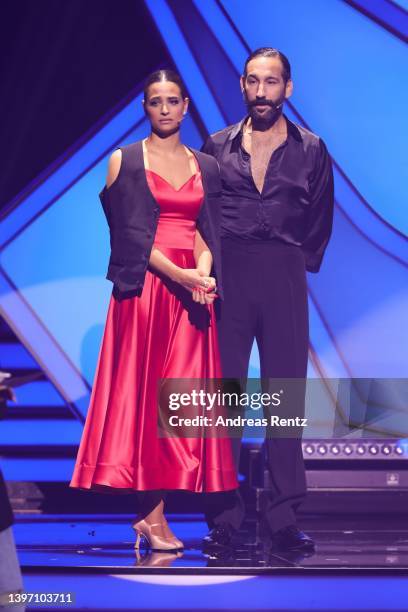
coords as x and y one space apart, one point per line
148 500
265 298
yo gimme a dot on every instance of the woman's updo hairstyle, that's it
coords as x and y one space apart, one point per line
164 75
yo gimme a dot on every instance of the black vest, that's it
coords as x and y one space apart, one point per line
132 214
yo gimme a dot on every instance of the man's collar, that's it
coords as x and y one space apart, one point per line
237 128
293 130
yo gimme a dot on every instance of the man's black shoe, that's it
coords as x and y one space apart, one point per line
219 538
291 538
223 557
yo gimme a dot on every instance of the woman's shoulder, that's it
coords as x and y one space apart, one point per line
128 155
123 159
121 151
130 146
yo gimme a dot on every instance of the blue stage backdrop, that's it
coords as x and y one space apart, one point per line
348 60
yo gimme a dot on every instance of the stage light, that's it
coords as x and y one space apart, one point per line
402 445
367 449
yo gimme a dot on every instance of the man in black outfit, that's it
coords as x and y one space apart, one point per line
277 210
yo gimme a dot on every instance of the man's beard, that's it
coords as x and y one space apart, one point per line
269 117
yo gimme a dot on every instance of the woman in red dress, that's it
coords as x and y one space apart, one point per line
166 331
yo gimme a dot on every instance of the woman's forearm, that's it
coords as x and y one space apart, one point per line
202 255
204 263
163 264
190 279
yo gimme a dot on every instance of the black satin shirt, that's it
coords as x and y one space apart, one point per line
296 202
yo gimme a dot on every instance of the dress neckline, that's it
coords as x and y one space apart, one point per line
192 160
169 184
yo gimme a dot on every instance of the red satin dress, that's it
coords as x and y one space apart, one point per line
161 334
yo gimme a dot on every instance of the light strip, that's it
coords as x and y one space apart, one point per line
186 64
40 343
69 171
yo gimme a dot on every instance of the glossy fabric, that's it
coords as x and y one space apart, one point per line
161 334
266 301
132 214
296 202
183 216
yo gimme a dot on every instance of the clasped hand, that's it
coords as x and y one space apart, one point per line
201 286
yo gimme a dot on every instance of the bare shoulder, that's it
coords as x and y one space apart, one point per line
114 164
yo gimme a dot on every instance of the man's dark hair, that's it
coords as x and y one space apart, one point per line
271 52
164 75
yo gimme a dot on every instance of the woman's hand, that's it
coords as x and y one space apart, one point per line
191 279
204 298
207 295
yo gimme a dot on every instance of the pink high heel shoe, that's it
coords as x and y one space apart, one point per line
173 537
155 542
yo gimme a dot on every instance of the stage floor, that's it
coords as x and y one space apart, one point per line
105 543
359 565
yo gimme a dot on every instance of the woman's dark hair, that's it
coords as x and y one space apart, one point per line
271 52
164 75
